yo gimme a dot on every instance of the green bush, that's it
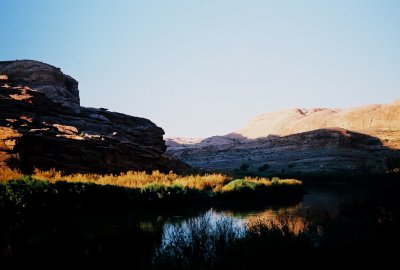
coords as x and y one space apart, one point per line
27 192
172 194
244 167
263 168
154 189
275 181
159 191
240 185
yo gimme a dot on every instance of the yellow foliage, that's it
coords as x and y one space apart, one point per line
132 179
258 180
283 222
7 174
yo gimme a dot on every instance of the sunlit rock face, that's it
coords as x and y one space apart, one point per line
366 119
42 126
358 140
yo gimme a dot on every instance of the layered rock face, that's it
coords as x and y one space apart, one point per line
366 119
359 140
42 126
43 78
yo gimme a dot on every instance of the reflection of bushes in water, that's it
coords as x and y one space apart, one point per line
369 226
285 223
210 242
198 242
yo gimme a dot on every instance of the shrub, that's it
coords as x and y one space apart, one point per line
27 192
159 191
240 185
244 167
263 168
275 181
393 164
133 188
7 174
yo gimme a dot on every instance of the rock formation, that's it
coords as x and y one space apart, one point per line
43 126
366 119
43 78
359 140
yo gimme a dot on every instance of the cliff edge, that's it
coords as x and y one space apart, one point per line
43 126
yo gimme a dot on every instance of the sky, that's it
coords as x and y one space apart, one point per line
199 68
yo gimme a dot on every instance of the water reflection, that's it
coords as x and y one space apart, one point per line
212 222
327 218
319 202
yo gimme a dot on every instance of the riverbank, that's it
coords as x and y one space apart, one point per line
139 189
328 223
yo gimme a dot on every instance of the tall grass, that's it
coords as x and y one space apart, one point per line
134 188
213 182
6 174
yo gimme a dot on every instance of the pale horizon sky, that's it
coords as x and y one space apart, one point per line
199 68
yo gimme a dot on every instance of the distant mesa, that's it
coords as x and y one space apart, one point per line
43 126
365 119
319 140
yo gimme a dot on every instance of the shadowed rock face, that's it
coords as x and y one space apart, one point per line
359 140
319 151
43 78
42 126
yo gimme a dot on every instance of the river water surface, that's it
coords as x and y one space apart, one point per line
120 237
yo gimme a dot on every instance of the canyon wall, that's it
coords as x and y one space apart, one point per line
358 140
43 126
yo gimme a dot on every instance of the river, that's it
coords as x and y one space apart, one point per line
113 237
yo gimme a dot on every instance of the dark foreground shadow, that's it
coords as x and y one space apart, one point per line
82 239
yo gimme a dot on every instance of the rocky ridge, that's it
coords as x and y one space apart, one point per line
365 119
42 125
358 140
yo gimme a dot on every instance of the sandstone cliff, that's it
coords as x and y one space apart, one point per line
43 78
366 119
358 140
43 126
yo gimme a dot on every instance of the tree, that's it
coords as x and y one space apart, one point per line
244 167
263 168
393 164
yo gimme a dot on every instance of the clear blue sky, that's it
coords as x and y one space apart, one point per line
204 67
